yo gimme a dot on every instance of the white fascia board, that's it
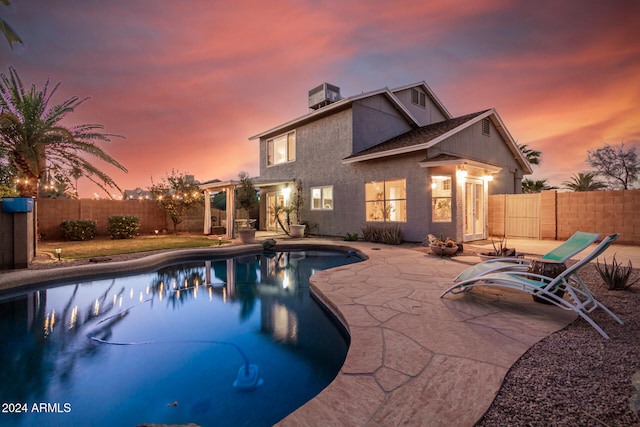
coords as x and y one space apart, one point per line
418 147
460 161
218 185
311 116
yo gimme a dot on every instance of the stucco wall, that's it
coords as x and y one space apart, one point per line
320 146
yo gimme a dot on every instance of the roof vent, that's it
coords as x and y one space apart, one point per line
323 95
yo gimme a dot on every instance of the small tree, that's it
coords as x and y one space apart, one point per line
246 195
584 181
176 194
619 166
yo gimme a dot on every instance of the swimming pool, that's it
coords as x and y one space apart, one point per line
235 341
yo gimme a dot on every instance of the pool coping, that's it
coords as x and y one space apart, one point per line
414 358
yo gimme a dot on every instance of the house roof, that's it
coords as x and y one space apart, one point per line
430 135
345 103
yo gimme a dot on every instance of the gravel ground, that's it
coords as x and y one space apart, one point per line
575 377
572 378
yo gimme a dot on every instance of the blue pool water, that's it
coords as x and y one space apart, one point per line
189 330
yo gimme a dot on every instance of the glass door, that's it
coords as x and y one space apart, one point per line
272 200
474 210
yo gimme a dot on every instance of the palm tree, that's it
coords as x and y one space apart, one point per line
534 157
531 186
34 141
584 181
11 36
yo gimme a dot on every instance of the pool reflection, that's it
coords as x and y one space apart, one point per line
45 353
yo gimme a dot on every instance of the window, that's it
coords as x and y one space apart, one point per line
386 200
441 198
281 149
322 198
486 127
418 98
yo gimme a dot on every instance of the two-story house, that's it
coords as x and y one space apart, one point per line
391 155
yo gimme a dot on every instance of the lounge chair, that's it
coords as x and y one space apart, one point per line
561 254
579 297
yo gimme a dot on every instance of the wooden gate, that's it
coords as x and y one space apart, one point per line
522 216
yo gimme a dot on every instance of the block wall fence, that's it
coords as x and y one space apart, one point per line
563 213
51 212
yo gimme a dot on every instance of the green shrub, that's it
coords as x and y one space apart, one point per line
389 234
123 226
615 275
78 229
351 237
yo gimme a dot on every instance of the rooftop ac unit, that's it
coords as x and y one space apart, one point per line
323 95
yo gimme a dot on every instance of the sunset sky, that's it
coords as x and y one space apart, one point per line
187 83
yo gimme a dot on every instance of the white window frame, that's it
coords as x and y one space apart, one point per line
441 198
385 204
419 98
289 148
322 198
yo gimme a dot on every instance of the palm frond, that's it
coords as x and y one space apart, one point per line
35 140
9 33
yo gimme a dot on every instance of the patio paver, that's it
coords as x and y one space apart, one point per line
417 359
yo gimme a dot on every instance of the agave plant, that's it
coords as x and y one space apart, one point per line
616 275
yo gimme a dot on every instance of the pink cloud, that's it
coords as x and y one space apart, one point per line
187 84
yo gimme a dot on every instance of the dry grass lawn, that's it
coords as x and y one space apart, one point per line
104 246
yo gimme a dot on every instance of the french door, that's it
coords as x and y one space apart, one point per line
474 211
273 200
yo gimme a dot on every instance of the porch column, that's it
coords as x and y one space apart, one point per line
231 210
207 213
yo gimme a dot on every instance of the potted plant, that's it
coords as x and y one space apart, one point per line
500 250
247 199
441 246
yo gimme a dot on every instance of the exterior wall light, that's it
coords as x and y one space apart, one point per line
286 192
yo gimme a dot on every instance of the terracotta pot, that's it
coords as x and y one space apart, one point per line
247 235
446 250
296 230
